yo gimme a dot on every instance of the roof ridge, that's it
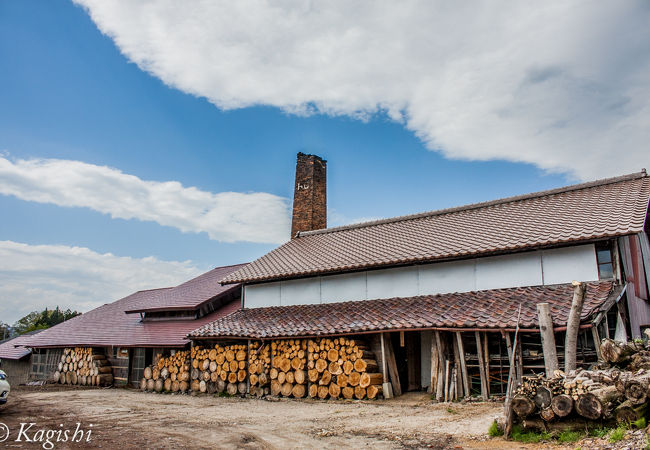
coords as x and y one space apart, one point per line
473 206
147 290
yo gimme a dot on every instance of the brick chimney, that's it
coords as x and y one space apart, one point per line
310 194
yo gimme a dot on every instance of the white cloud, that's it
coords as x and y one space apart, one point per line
35 276
225 216
561 84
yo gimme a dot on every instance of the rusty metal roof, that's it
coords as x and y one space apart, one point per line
584 212
489 309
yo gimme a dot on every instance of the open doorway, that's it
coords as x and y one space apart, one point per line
406 346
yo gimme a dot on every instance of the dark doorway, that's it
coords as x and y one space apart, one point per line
406 346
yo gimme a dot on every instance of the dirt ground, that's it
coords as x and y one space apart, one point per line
131 419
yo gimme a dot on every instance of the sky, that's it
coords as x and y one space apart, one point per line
143 143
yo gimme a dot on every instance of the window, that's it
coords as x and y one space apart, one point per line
605 262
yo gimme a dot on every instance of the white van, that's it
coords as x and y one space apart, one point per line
4 388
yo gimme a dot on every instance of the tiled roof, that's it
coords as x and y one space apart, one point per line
14 348
589 211
490 309
189 295
109 325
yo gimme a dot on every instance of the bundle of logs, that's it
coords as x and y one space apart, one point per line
324 368
616 389
85 367
171 374
342 368
219 369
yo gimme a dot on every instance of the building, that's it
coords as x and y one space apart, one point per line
441 293
145 325
15 358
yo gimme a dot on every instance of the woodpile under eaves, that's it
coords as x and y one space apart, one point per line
84 366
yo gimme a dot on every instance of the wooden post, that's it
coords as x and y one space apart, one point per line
441 368
520 359
548 338
386 386
486 360
594 333
434 362
401 339
463 365
458 382
572 327
446 380
392 368
481 365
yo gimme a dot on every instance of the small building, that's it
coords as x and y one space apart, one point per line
442 292
136 329
15 358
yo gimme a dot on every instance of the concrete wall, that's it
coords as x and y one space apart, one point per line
540 267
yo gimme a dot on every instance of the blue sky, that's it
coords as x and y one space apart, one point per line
117 106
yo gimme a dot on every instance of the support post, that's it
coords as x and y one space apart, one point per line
434 363
481 365
573 326
392 367
594 333
548 338
387 388
457 375
463 365
441 368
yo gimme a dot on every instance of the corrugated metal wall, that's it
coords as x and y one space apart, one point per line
17 370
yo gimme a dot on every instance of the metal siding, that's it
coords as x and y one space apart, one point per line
266 294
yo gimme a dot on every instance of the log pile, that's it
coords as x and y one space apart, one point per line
288 365
84 366
617 389
342 368
170 374
259 366
220 368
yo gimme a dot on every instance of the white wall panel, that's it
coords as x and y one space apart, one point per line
341 288
388 283
447 277
524 269
258 295
425 358
563 265
300 292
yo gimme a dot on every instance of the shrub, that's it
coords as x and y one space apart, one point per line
617 435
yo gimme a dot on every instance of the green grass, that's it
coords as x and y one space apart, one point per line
452 411
529 437
647 443
599 432
639 423
618 434
569 436
494 430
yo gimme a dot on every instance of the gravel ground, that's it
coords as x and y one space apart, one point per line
131 419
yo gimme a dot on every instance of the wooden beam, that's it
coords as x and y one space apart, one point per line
548 338
401 339
463 365
392 367
481 365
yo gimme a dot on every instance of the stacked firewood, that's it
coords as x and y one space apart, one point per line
342 368
617 389
83 366
219 369
288 363
259 365
171 374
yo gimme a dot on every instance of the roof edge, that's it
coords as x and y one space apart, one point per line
472 206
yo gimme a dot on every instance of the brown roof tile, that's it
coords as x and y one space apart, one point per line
605 208
109 325
490 309
189 295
